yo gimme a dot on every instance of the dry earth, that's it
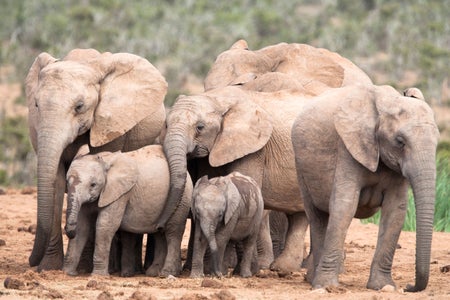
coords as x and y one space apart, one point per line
19 281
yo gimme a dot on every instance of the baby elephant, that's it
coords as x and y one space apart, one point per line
224 209
124 191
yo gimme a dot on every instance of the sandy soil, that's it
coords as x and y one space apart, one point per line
19 281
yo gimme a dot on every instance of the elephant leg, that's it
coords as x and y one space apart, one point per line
149 251
291 258
393 214
76 245
199 249
54 255
264 243
248 245
344 202
172 263
108 222
318 221
160 246
131 258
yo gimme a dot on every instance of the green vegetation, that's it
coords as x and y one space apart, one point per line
442 204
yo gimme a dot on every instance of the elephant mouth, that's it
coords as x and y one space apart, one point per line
199 151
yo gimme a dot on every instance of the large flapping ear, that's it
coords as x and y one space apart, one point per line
232 197
414 93
32 80
246 128
131 90
121 176
356 121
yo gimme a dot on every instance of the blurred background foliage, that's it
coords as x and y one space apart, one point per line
398 42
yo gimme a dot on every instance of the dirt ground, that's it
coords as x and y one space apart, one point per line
19 281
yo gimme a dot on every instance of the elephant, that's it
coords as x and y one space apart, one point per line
356 156
128 191
110 101
225 208
236 126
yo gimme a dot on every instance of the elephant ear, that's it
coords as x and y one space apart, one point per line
131 82
122 175
246 128
202 181
32 80
232 197
413 92
356 123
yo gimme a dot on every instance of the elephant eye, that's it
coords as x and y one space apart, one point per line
93 185
400 141
200 127
79 106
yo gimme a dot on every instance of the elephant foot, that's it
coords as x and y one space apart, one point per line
70 271
380 281
153 271
285 264
325 281
99 273
53 261
246 273
127 273
165 272
196 274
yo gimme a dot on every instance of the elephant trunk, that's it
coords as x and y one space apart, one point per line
423 185
73 208
175 149
209 230
49 154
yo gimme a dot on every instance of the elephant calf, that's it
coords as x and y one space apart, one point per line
227 208
124 191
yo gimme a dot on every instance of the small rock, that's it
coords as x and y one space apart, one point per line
210 283
105 296
12 283
54 294
92 284
32 228
2 242
139 295
388 288
223 295
445 269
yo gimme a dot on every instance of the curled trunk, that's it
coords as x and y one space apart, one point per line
71 216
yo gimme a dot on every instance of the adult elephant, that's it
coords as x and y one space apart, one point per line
357 155
111 101
247 128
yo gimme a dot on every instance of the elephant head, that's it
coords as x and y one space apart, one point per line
400 132
104 177
86 97
223 124
314 69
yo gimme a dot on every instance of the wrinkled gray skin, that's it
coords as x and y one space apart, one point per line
355 156
198 124
111 101
128 190
225 208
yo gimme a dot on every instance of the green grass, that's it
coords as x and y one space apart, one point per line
442 204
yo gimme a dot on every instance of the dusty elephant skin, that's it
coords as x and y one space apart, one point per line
127 191
227 208
86 97
373 142
242 123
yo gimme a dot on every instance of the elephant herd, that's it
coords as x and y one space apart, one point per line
288 128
